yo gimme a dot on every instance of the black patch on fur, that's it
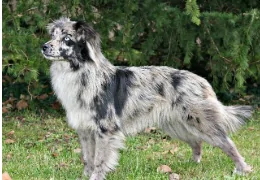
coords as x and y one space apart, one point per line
115 92
219 131
110 129
198 120
84 79
178 100
100 105
116 128
123 80
160 89
85 54
74 64
150 109
63 53
82 56
136 113
184 109
69 43
86 31
189 117
177 78
80 99
82 52
103 129
79 24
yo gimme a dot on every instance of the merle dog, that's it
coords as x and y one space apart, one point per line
104 103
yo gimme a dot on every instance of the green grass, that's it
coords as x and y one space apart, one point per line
45 147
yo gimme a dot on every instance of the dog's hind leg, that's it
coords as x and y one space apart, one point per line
211 121
87 141
228 146
179 131
107 152
196 147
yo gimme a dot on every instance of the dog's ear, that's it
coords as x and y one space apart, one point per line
87 34
89 38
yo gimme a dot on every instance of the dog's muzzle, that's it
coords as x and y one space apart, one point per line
45 47
47 52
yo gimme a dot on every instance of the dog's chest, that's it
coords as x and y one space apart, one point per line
68 86
73 94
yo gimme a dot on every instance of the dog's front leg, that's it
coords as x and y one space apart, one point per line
108 144
87 141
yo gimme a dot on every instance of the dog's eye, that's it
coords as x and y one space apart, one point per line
67 38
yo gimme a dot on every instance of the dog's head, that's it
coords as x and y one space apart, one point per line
74 41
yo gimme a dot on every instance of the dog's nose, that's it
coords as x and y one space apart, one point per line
45 47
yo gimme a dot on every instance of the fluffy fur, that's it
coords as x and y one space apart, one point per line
104 103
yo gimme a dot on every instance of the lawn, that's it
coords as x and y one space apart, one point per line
42 146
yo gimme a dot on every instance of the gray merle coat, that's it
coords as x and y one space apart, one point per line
104 103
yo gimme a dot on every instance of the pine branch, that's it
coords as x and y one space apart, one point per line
192 9
216 47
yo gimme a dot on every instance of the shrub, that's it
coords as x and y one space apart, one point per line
220 43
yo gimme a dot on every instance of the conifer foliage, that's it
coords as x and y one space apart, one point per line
216 39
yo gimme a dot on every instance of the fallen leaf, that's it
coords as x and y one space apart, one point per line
175 149
4 110
164 169
56 105
66 136
20 118
151 141
165 152
10 133
55 154
63 165
9 141
78 150
9 156
42 97
8 78
48 134
22 104
251 128
9 106
150 130
5 176
174 176
9 101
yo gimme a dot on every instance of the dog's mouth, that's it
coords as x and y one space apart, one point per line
53 58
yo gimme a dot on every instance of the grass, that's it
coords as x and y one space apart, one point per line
44 147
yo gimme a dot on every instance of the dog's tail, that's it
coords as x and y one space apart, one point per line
220 117
235 116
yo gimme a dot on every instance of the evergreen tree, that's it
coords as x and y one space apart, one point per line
219 42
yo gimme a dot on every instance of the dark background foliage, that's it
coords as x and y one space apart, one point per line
216 39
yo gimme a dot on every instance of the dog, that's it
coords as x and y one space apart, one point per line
105 103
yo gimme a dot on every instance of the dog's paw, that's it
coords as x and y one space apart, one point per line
196 159
243 171
97 177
